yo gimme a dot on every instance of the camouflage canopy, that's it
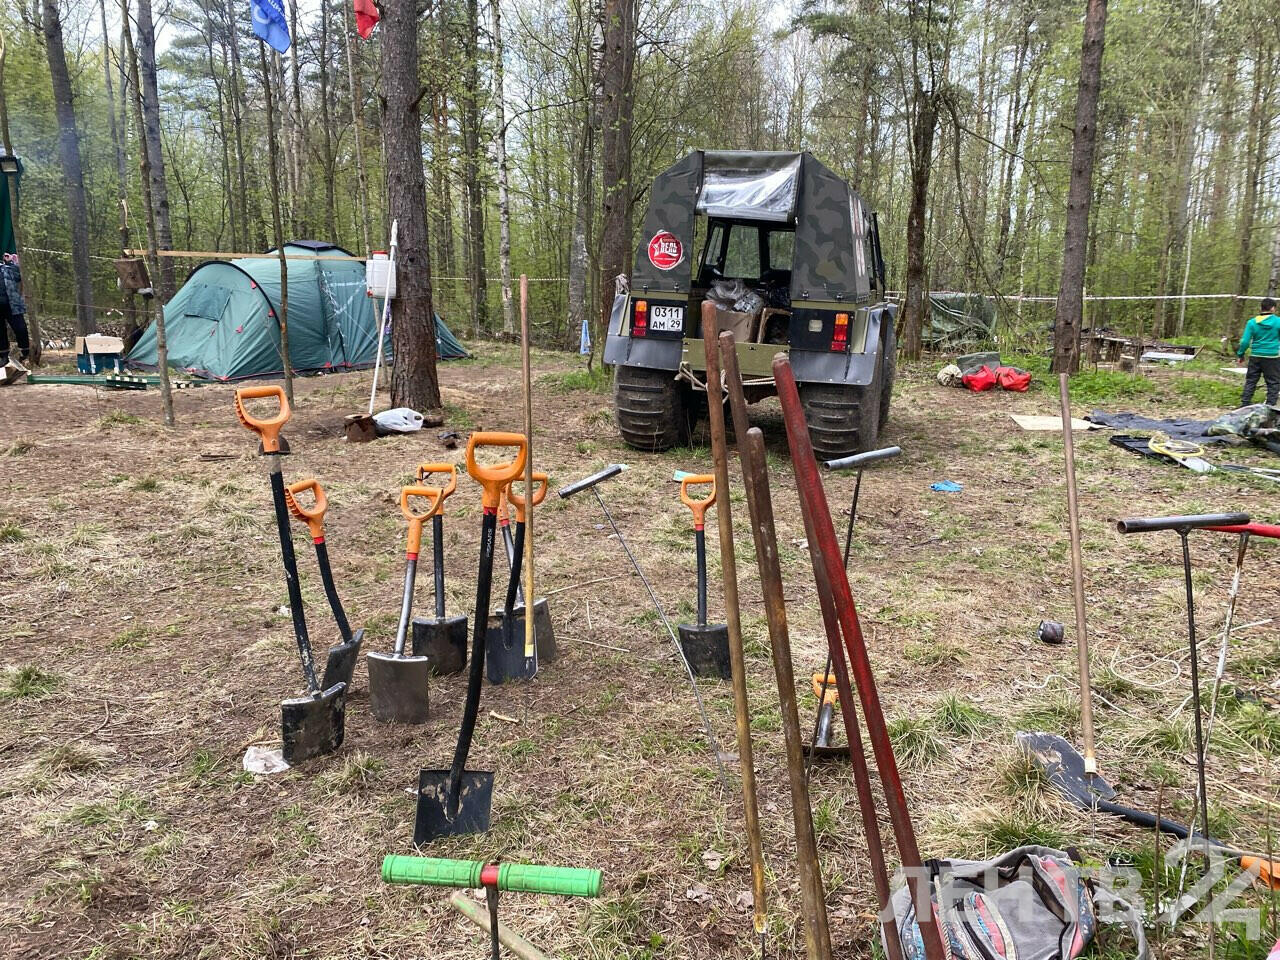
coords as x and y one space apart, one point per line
833 260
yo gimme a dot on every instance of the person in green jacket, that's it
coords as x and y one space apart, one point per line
1262 340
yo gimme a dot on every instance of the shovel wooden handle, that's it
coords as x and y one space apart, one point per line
417 518
492 478
699 507
427 470
312 516
268 429
539 494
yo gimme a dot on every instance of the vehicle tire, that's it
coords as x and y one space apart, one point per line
888 369
842 420
651 408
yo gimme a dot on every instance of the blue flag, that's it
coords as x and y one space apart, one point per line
269 22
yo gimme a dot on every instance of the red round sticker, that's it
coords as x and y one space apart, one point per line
665 250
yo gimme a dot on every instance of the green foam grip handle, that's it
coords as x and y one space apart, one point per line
432 871
562 881
512 877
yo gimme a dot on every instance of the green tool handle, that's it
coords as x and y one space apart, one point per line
512 877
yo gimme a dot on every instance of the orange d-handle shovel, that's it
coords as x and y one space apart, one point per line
455 801
342 658
544 633
706 646
505 653
398 683
314 724
824 688
442 640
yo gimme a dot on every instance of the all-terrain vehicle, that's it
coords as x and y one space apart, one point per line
791 256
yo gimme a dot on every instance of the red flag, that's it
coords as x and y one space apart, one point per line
366 18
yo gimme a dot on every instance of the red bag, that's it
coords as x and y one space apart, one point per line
984 378
1011 378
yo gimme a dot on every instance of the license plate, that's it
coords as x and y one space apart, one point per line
666 319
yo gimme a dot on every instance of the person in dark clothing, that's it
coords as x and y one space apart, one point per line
1262 340
12 311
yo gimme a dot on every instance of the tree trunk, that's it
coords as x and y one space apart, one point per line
617 88
297 134
277 221
504 208
144 164
414 381
151 113
1273 281
1259 128
122 168
584 192
357 123
915 282
238 119
1070 306
72 170
471 168
326 122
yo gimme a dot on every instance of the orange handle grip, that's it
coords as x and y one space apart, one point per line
425 470
417 518
539 493
699 507
269 429
494 478
504 511
313 517
831 695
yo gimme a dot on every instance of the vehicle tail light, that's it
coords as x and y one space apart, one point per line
840 336
640 325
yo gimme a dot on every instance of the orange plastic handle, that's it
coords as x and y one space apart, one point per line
699 507
268 430
425 470
504 510
831 697
539 493
494 478
1268 870
417 519
313 516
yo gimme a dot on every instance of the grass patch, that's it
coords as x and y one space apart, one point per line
1208 392
357 772
1254 724
1004 832
596 379
959 717
458 417
119 418
619 930
934 654
19 447
29 681
915 742
146 485
71 758
12 533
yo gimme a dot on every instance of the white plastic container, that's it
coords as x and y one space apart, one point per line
379 276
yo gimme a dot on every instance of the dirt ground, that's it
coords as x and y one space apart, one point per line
146 644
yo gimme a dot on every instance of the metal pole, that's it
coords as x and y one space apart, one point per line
1077 579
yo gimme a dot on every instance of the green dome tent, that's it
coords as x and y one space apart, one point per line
223 323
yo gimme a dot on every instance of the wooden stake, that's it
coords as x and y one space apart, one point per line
530 646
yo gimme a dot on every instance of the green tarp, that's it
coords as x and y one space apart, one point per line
8 243
223 323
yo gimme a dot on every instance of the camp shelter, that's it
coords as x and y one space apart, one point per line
224 322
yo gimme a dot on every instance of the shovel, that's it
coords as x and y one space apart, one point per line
544 634
313 724
824 688
706 646
453 801
442 640
506 654
342 658
398 684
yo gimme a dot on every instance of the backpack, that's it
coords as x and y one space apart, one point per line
984 378
1032 903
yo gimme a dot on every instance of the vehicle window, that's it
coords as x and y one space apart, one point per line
742 259
782 247
711 253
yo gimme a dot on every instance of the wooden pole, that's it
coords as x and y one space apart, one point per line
729 574
530 645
